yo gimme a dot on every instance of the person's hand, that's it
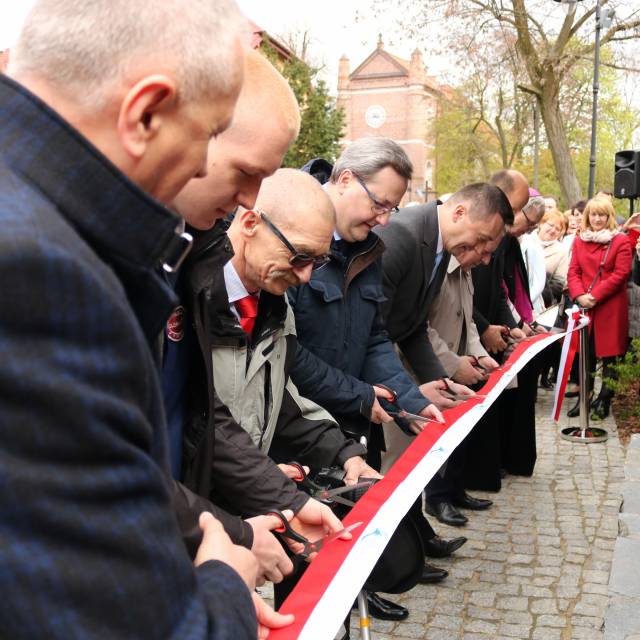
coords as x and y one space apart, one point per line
586 300
492 339
632 222
314 521
467 373
460 389
378 414
356 468
518 334
268 618
527 330
436 392
274 562
488 363
430 411
291 471
216 545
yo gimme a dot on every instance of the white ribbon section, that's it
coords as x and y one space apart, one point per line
332 608
571 327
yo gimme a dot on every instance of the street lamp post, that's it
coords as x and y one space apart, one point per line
594 111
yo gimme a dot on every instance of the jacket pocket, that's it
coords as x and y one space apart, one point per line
328 291
365 308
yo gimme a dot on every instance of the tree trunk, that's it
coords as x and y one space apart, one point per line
549 104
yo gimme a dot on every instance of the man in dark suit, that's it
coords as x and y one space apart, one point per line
492 314
419 242
105 107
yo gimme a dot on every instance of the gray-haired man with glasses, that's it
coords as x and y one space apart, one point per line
344 351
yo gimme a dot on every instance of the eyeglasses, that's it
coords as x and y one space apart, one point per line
297 260
534 203
378 207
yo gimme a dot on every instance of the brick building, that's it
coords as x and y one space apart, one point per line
395 98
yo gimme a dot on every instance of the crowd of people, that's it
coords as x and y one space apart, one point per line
188 330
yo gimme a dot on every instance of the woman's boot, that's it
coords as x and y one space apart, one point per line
574 412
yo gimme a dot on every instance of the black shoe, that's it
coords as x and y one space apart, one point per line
437 547
469 502
383 609
545 383
600 408
574 412
431 574
573 391
446 513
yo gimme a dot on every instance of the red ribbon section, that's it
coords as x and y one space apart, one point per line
322 570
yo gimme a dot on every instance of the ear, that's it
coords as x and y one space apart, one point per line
249 222
344 179
143 110
459 212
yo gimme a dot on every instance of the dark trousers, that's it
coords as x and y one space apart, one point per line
518 422
483 456
448 483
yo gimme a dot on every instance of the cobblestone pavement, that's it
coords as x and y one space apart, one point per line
537 563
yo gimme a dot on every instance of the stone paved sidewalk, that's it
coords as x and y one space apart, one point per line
537 564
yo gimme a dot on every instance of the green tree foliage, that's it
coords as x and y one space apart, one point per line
321 120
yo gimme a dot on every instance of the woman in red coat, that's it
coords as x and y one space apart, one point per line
598 273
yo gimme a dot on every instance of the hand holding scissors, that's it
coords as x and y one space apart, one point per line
308 547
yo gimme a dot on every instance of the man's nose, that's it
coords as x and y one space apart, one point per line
248 193
303 273
383 218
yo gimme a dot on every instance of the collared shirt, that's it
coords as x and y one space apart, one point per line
439 250
235 289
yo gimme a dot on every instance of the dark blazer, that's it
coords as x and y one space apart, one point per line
89 543
411 240
489 296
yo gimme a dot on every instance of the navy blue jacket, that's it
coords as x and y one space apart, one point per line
89 543
343 347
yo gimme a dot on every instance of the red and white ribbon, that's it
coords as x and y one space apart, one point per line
325 593
569 349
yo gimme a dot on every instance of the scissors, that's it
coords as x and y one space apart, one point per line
452 395
334 494
285 530
478 365
400 412
319 492
506 335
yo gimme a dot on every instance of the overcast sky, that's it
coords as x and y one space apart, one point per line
335 27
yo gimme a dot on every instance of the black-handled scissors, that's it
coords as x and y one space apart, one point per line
334 494
400 412
478 365
452 395
506 335
285 530
319 492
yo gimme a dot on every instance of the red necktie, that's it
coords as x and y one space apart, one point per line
248 309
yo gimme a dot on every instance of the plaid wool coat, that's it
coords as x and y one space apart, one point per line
89 545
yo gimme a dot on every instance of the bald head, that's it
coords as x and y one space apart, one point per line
292 198
515 186
265 123
292 211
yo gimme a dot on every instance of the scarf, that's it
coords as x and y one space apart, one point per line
604 236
